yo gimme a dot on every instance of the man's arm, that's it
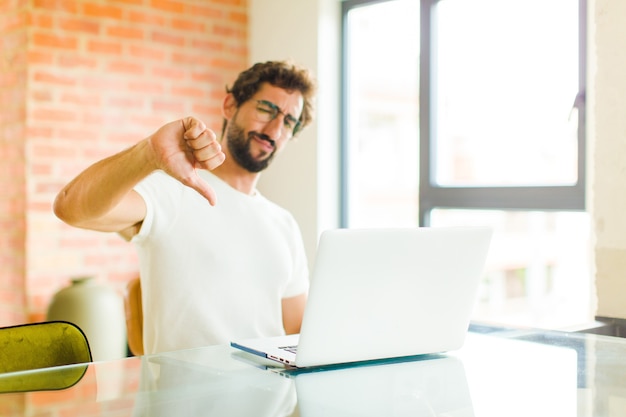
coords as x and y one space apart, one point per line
293 311
102 197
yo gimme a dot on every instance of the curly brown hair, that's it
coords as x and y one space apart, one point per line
282 74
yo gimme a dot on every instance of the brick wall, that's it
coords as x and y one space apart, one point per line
13 26
99 76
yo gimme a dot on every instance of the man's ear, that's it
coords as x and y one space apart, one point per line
229 106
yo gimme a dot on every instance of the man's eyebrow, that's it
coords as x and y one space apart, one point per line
275 106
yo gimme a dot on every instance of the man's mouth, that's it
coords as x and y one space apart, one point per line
263 138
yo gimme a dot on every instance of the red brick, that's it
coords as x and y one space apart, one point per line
99 82
43 207
238 17
216 95
101 260
191 59
35 317
172 73
15 40
191 92
188 25
207 45
41 169
126 67
41 21
168 5
102 10
235 32
147 52
206 11
13 21
124 137
43 132
240 51
108 47
77 134
210 78
231 2
79 25
202 109
56 79
53 151
41 95
54 41
128 2
84 99
169 106
167 38
73 61
95 119
92 154
10 80
53 115
225 64
125 102
69 170
125 32
79 242
69 6
40 57
135 16
146 87
149 122
10 296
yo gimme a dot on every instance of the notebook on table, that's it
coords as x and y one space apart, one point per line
384 293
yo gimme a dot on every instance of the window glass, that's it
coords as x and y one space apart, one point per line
506 77
382 77
537 272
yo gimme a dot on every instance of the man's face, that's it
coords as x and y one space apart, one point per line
262 126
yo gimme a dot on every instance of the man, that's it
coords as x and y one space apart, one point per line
217 260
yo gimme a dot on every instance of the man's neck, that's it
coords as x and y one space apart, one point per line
237 177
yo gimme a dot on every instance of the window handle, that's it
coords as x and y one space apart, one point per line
579 101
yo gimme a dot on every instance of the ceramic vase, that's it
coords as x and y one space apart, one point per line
98 310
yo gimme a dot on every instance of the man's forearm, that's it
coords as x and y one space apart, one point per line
91 199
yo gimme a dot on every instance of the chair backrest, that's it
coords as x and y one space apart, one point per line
134 316
42 345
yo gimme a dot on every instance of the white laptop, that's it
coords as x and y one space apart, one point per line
384 293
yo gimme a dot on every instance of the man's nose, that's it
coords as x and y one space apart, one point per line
275 128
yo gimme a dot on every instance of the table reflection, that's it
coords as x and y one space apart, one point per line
425 386
433 386
175 386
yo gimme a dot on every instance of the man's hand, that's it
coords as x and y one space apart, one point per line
183 146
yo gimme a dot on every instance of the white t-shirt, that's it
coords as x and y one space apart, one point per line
210 274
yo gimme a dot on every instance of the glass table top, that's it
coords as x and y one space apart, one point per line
506 373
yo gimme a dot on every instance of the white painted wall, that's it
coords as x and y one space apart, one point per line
304 178
606 106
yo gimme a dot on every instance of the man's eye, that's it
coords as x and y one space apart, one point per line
290 122
265 110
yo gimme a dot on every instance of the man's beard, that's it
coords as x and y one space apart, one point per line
239 147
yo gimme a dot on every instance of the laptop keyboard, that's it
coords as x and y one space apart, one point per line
291 349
